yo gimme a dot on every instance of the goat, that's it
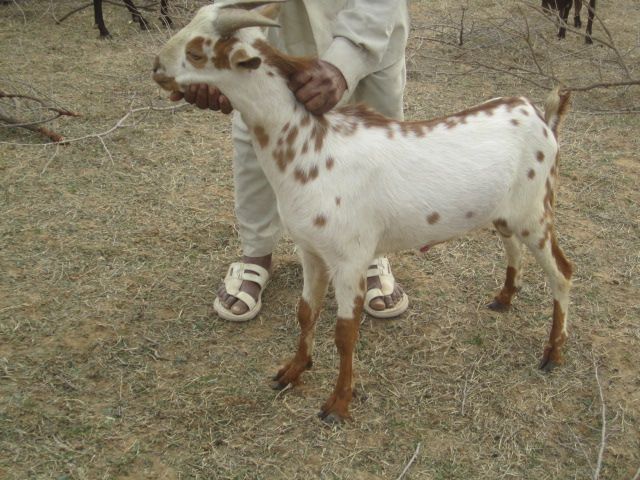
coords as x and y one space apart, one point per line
136 16
563 7
353 184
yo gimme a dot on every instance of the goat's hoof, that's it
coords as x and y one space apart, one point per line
547 365
276 385
331 418
497 306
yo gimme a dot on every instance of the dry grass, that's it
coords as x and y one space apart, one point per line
112 364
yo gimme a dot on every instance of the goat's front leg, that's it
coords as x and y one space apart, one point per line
350 288
316 280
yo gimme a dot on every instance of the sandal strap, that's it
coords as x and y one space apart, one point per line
371 294
382 269
246 298
239 272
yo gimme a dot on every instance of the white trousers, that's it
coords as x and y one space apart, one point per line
255 201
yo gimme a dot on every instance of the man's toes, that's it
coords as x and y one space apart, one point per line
377 303
239 307
388 301
228 300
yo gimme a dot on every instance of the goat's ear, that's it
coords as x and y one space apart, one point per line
242 60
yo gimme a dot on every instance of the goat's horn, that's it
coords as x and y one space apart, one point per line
244 4
229 21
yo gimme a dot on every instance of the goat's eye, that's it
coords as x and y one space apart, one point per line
197 57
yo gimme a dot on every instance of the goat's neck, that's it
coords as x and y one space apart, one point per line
265 102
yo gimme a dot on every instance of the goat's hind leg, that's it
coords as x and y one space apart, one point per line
316 280
544 247
513 280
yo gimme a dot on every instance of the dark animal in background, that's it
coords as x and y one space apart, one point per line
563 7
136 16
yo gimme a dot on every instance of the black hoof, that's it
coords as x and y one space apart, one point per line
276 385
547 365
497 306
330 418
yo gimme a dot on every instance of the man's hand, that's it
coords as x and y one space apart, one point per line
319 88
205 97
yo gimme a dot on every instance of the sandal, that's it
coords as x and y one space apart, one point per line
238 272
382 269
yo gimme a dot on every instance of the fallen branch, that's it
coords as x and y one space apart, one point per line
13 122
603 435
411 460
100 136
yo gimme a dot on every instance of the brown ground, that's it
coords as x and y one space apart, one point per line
112 364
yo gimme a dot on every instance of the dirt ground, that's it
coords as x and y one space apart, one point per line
114 365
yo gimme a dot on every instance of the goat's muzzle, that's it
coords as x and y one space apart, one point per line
165 81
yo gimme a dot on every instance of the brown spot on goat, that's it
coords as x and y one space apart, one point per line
469 214
195 52
433 218
292 136
221 50
515 122
338 201
320 220
286 65
563 264
304 177
531 174
329 163
540 156
524 233
502 227
261 136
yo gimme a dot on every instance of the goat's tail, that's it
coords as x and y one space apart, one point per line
555 108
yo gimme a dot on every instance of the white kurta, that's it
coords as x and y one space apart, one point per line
365 40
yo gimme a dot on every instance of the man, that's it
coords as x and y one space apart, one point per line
359 46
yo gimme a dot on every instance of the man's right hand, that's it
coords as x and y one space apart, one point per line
205 97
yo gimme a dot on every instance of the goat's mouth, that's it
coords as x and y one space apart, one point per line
166 83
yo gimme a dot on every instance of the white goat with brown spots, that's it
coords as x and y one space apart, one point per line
353 184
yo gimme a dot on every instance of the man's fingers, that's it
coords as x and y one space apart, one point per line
298 80
316 105
310 90
190 93
214 98
225 105
202 97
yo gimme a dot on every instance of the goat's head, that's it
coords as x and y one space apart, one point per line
214 44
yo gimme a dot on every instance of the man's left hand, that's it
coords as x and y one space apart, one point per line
318 88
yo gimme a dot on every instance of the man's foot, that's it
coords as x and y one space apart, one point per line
385 297
246 285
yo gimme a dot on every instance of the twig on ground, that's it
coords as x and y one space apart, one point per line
100 136
604 85
411 460
603 436
14 122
